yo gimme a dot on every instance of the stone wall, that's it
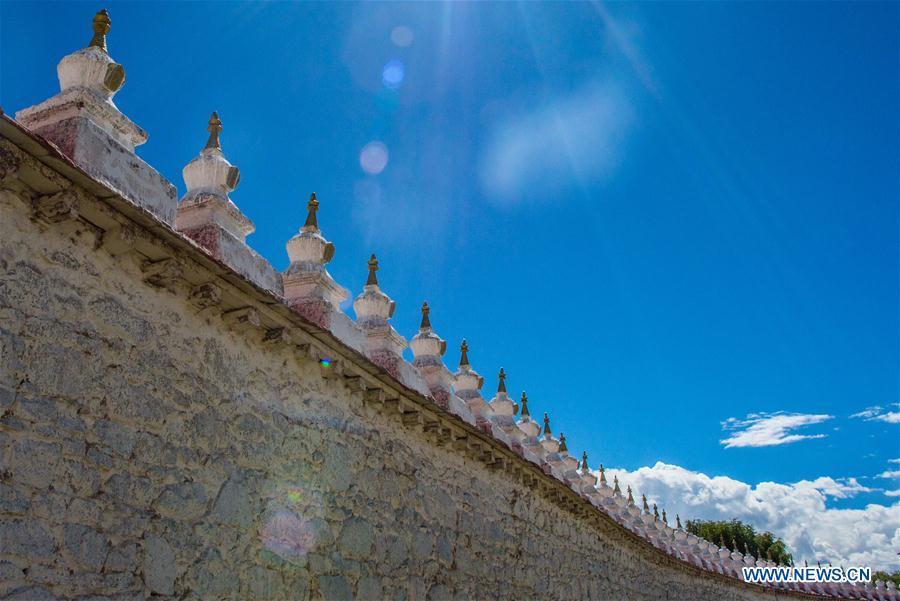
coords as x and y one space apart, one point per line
156 441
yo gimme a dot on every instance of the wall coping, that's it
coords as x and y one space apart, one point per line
173 261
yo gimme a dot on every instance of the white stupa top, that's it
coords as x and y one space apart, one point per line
530 428
427 347
550 444
93 77
309 252
209 178
467 382
373 307
501 405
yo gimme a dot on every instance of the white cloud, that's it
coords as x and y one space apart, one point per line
867 413
844 488
890 474
893 460
769 429
576 138
892 493
879 414
796 512
891 417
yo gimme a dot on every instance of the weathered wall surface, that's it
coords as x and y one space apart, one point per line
146 448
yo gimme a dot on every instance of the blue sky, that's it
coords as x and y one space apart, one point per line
666 221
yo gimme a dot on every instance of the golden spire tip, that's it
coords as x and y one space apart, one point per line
563 447
312 206
101 28
373 267
547 431
464 353
525 412
214 127
501 387
426 323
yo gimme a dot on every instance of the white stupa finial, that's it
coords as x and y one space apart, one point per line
91 67
384 345
428 350
210 178
85 124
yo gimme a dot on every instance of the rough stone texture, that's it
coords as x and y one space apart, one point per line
159 566
147 448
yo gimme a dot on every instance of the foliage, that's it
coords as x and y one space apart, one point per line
744 537
885 576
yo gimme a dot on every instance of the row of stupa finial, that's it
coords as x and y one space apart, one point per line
85 124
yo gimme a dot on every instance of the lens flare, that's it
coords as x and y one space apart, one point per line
325 362
373 158
402 36
287 535
292 523
392 74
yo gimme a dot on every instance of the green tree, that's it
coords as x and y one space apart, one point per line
885 576
742 537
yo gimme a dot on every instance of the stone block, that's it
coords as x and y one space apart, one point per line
134 491
334 588
369 588
264 583
422 544
356 539
7 395
439 592
444 550
159 566
123 557
35 462
213 577
235 504
11 500
87 546
182 501
26 538
338 467
119 438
